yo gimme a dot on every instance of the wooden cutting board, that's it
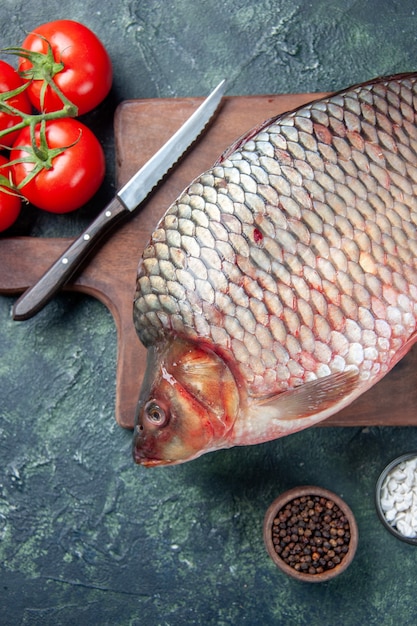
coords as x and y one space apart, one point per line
141 127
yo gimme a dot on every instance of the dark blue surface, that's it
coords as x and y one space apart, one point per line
86 537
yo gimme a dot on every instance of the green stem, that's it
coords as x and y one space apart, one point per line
68 110
65 101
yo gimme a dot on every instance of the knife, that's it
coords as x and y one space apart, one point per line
126 200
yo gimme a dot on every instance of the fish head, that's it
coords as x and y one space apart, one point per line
188 404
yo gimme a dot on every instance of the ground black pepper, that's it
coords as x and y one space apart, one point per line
311 534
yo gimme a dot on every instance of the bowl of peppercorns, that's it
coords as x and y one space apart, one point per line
310 533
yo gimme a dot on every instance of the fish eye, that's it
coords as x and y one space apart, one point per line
155 414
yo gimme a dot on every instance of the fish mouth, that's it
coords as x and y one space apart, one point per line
151 462
140 458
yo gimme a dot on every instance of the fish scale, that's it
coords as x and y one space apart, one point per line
295 254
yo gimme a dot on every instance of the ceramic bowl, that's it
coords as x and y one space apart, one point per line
314 530
393 518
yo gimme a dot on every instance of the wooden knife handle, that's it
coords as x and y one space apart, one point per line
37 296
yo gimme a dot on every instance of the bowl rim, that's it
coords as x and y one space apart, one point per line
292 494
387 469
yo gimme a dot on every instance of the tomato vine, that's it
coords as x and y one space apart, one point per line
46 60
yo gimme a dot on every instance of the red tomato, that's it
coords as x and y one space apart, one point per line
9 204
10 80
87 74
72 177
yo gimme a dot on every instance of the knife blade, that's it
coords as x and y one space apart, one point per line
125 202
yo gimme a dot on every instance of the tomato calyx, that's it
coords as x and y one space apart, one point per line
43 64
39 153
44 68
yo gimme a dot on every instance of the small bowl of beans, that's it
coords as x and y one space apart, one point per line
310 533
396 497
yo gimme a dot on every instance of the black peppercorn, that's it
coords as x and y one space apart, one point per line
311 534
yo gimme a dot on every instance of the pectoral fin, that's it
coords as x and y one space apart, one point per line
324 395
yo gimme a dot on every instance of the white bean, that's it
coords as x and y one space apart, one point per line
387 504
391 514
405 529
403 506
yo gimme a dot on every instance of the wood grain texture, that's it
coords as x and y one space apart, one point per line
141 127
